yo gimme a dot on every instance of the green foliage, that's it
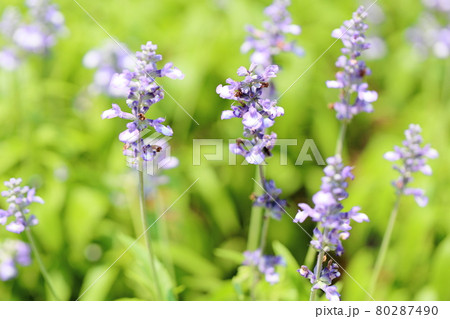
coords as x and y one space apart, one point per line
53 137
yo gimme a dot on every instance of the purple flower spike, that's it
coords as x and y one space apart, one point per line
414 159
257 113
355 96
13 253
271 200
265 263
271 41
142 92
18 199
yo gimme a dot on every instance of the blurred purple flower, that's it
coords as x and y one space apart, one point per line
143 92
34 33
13 253
414 159
355 96
256 112
265 264
109 60
18 198
271 41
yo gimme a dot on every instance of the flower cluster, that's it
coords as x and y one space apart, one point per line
324 282
256 112
271 40
143 92
333 223
355 96
108 60
265 263
270 200
414 159
18 198
13 253
35 33
432 31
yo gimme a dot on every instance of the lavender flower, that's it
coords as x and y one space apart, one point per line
327 275
432 32
18 198
414 159
271 40
13 253
108 60
143 92
256 112
333 224
265 264
355 96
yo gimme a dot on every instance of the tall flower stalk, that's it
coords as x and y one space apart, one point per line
19 198
257 114
413 158
354 98
143 92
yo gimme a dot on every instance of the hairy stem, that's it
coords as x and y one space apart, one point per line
341 138
41 263
256 215
313 295
144 226
384 245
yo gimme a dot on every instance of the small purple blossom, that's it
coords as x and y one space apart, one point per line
13 253
108 60
265 264
257 113
143 92
413 159
270 200
18 199
355 96
271 41
327 275
333 224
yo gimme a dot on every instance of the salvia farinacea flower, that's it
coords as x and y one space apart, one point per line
413 159
34 33
324 283
265 264
13 253
271 41
18 200
108 60
143 92
270 200
355 96
333 224
257 113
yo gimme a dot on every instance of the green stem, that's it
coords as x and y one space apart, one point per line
41 263
144 225
164 233
384 245
255 218
341 138
313 295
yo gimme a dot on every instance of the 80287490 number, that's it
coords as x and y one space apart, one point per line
406 310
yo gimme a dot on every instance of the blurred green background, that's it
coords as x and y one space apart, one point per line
54 138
